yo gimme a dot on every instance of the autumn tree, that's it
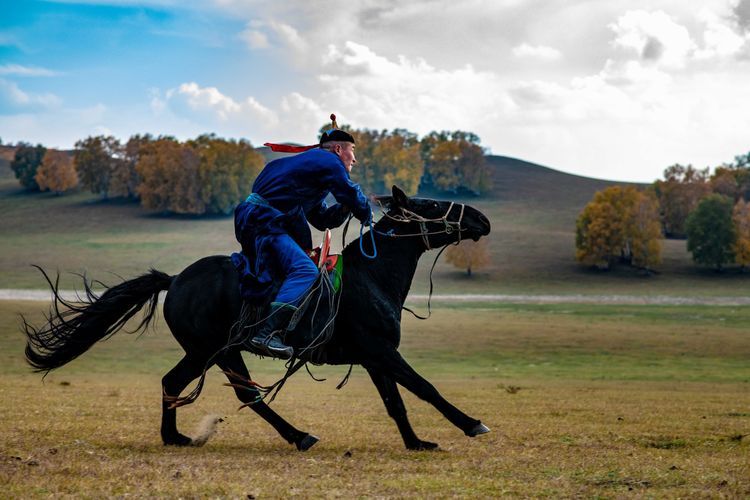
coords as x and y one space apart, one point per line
741 221
226 173
469 255
679 193
169 177
396 157
124 179
600 235
455 162
620 224
645 232
733 179
204 175
96 158
56 173
710 231
26 161
367 172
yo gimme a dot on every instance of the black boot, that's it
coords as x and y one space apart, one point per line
267 340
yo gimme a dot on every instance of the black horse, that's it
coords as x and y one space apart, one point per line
203 304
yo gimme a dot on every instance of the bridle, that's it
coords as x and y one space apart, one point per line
407 216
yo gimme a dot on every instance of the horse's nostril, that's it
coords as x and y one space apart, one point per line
484 220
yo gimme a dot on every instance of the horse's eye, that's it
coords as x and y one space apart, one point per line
435 205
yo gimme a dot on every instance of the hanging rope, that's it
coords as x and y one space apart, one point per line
372 239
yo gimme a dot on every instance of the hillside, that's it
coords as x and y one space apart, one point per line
532 209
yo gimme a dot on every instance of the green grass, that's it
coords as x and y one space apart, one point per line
583 401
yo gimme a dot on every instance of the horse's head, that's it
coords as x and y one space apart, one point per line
438 223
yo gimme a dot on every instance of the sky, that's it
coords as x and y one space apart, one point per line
610 89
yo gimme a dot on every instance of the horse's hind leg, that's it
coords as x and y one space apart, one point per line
397 411
232 363
173 383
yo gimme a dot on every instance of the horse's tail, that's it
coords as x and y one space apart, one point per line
73 326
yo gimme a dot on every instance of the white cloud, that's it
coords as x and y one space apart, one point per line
217 111
719 38
536 52
383 93
255 39
12 98
18 70
655 37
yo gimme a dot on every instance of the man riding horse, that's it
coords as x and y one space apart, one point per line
272 227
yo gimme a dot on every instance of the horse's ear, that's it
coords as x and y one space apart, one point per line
399 197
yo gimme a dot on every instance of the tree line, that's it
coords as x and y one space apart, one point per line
210 175
626 225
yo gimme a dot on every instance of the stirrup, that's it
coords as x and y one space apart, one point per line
264 345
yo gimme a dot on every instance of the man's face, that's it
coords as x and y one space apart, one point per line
346 153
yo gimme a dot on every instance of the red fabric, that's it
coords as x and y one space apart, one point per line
330 262
287 148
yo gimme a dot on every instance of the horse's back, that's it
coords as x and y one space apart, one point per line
203 302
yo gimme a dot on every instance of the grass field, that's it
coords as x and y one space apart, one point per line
532 209
584 401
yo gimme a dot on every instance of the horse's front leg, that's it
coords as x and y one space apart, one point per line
397 411
387 359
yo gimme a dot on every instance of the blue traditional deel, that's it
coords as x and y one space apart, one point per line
272 224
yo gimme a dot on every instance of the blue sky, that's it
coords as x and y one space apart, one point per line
606 89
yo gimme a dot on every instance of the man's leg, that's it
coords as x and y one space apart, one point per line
296 266
299 273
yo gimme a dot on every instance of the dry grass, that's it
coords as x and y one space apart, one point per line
584 401
100 438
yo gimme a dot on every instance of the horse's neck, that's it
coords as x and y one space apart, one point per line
392 271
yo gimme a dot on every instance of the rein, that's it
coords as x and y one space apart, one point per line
407 216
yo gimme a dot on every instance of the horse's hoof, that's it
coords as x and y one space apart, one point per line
307 442
178 440
424 446
478 429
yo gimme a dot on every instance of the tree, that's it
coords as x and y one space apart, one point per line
169 177
741 246
469 255
710 231
124 178
56 173
679 193
25 163
455 162
96 158
396 157
621 224
598 240
733 179
366 173
226 173
645 236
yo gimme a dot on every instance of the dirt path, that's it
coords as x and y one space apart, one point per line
44 295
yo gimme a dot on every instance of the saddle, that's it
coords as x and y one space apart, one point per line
332 264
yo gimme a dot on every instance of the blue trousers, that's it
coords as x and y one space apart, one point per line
294 266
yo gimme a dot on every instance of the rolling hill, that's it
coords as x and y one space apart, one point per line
532 209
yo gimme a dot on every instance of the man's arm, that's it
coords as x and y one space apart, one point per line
324 217
348 193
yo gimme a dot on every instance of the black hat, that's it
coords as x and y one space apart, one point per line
335 133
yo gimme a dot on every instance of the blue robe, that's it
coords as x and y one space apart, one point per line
272 224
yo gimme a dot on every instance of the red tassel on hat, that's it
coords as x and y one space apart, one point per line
288 148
